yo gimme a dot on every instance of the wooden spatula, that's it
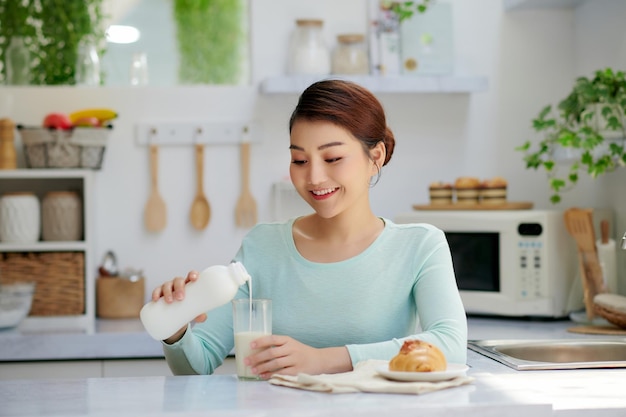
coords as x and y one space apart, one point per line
155 212
245 211
200 212
579 224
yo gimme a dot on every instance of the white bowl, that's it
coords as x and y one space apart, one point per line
15 302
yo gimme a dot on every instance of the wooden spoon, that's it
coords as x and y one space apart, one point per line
200 209
245 211
155 212
579 224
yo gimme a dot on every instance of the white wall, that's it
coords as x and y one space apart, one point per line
531 58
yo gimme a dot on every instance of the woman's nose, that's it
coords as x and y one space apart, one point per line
316 174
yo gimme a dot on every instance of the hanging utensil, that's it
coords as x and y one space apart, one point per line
155 212
579 224
245 211
200 213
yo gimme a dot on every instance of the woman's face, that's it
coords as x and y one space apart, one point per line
329 168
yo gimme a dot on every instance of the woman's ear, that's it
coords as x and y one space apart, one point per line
378 154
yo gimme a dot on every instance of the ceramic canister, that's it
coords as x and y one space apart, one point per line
19 217
61 216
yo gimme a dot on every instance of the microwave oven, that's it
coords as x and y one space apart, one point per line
516 263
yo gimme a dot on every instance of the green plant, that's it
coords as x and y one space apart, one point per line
406 9
212 40
52 30
591 122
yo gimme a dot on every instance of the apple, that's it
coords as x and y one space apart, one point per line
87 122
57 121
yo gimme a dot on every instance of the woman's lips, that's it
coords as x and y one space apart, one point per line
323 193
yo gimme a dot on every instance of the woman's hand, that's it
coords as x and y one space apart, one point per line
285 355
172 291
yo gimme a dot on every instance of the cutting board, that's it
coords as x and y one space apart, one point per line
590 329
509 205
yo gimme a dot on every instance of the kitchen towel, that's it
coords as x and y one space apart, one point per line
364 378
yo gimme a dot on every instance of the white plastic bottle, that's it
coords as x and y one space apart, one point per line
216 286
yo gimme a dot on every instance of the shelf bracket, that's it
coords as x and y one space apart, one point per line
193 132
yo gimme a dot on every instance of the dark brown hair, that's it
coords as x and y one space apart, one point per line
347 105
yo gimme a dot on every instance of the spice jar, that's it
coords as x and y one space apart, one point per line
61 216
19 217
308 53
350 55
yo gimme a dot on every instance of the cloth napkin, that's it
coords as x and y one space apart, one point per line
363 378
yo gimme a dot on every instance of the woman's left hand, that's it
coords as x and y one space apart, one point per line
285 355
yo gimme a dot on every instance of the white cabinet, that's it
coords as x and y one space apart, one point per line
40 181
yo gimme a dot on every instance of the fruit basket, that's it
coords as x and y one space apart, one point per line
78 147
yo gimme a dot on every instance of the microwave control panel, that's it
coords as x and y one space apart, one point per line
530 260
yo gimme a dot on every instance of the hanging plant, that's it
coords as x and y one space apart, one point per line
212 40
53 30
590 123
406 9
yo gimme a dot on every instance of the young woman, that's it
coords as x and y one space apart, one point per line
345 284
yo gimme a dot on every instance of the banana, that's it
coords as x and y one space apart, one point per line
103 114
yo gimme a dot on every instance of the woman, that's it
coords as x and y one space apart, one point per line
345 284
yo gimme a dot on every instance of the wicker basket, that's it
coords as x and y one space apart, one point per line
81 147
59 278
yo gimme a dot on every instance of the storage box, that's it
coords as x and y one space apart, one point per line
119 298
80 147
59 280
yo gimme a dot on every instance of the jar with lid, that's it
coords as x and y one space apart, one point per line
308 53
350 55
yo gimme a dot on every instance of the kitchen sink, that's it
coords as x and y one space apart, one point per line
555 353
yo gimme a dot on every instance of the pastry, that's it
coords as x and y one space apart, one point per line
418 356
440 193
467 190
493 191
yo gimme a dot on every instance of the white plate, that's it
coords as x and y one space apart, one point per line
454 370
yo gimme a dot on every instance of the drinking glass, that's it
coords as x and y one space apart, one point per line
251 320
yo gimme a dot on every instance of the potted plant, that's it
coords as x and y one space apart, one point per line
406 9
589 125
52 35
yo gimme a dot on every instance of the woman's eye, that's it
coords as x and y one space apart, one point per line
331 160
298 161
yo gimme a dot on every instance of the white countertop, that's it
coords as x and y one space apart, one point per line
496 391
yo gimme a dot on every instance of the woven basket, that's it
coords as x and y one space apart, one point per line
614 317
59 280
81 147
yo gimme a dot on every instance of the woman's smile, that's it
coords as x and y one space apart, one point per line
323 193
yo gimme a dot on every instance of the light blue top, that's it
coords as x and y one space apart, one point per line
401 287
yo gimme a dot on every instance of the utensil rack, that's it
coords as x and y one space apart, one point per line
195 132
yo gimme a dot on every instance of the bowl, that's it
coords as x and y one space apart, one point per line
15 302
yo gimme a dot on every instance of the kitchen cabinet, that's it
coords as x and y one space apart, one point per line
377 84
39 182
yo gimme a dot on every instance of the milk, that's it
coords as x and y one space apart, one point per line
243 350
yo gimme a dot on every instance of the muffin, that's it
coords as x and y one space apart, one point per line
418 356
493 191
440 193
467 190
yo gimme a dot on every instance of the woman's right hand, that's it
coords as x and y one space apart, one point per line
173 291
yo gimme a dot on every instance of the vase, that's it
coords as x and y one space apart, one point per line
61 216
17 61
19 217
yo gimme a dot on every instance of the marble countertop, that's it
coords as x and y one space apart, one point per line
496 391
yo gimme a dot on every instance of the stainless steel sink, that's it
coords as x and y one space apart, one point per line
555 353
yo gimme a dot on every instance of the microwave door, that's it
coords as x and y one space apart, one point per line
476 260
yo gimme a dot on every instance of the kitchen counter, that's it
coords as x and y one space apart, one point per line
497 389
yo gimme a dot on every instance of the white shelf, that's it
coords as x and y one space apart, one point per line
388 84
43 247
540 4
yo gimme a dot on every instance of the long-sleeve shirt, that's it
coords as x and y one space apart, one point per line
401 287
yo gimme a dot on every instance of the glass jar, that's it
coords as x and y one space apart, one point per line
17 61
308 53
350 55
87 65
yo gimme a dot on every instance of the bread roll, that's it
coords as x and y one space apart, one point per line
467 190
493 191
440 192
418 356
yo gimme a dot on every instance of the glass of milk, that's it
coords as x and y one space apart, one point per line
252 318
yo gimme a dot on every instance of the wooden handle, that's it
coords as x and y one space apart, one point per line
154 166
245 166
604 231
199 169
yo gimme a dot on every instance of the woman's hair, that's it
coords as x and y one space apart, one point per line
347 105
